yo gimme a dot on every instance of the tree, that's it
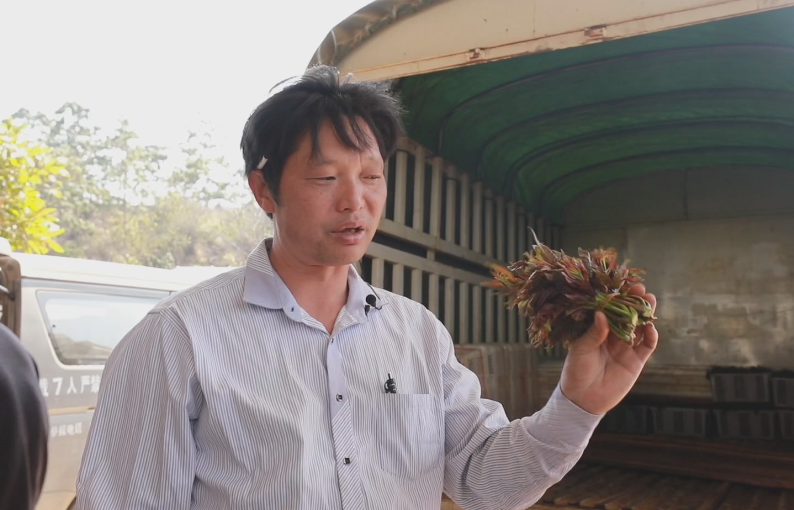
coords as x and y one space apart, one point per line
127 202
29 177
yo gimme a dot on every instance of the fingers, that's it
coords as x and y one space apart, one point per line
649 342
652 300
595 335
637 290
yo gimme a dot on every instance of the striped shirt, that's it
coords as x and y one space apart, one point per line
229 396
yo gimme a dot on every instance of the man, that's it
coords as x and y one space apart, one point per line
24 426
292 384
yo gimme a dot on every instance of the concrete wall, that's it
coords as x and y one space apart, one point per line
718 248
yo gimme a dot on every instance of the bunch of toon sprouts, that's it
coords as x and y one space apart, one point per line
560 294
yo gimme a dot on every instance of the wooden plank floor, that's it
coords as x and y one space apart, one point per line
763 464
608 488
612 488
624 472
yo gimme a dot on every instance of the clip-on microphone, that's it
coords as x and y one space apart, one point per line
371 303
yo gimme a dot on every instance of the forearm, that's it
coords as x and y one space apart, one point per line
511 465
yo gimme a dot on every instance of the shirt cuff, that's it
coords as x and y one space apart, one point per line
563 424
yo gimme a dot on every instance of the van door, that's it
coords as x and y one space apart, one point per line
71 329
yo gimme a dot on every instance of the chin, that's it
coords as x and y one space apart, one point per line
345 255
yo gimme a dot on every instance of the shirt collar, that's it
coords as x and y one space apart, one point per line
263 287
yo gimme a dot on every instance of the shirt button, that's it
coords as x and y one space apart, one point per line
339 398
347 460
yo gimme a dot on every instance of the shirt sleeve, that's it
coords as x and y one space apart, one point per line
140 451
493 463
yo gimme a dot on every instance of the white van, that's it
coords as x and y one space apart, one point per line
70 314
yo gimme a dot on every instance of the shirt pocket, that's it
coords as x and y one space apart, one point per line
409 434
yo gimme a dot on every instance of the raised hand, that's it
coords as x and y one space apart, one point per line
600 369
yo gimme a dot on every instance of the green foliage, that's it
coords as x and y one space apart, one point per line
126 201
29 177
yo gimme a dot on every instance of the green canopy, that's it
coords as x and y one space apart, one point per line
545 128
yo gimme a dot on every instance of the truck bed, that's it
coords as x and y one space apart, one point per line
637 472
614 488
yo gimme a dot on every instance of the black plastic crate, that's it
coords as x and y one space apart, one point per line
746 424
786 419
740 385
628 419
783 390
683 421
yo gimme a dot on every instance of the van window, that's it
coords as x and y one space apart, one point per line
85 327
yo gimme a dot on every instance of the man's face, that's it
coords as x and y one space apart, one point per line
330 206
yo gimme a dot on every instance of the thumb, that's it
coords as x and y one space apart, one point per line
596 334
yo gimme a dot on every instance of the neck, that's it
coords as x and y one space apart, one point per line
320 290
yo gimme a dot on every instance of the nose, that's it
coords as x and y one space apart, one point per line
351 195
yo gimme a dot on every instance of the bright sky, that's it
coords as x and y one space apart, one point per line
165 65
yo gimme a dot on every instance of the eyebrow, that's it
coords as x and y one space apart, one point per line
319 159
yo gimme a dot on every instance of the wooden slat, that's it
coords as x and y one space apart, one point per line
490 206
464 332
739 498
477 219
501 212
703 458
501 320
511 232
378 269
449 307
685 383
476 314
398 279
710 498
593 485
625 499
396 256
577 492
433 243
578 475
512 326
433 294
465 209
435 197
521 236
605 491
490 322
540 229
419 189
530 224
657 494
416 285
521 233
452 217
511 256
785 501
401 185
680 494
766 498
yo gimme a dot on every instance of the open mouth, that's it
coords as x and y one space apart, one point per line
351 230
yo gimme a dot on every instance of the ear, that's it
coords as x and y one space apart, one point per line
264 198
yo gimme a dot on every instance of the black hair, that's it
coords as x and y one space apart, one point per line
275 128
